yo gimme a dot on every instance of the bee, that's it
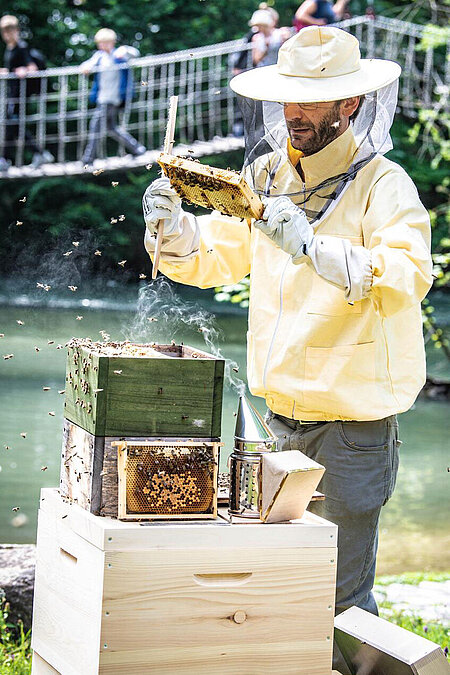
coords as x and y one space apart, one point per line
142 276
23 200
96 391
117 372
76 244
113 221
15 508
149 166
152 318
97 252
59 346
44 468
7 447
51 413
122 263
114 183
210 250
8 356
36 349
143 83
50 342
72 288
2 335
23 434
97 172
61 391
19 223
19 322
79 317
236 370
67 253
121 217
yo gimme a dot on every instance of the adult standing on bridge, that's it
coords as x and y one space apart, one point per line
112 87
18 59
319 13
339 264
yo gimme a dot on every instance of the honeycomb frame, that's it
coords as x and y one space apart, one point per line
167 479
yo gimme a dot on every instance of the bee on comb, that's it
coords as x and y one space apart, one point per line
223 190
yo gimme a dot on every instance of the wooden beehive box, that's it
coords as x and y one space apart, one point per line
123 389
90 472
202 597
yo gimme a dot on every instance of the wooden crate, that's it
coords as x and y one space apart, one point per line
89 472
177 395
199 597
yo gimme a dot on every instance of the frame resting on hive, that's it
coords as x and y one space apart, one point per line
223 190
167 479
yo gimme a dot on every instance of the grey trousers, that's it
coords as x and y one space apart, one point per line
361 461
104 120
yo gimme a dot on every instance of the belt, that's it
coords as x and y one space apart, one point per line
290 421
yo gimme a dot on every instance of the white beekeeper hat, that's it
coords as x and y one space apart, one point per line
320 63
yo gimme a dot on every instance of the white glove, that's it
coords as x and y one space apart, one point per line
342 264
335 259
161 202
288 227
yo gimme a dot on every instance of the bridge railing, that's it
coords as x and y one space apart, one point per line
58 117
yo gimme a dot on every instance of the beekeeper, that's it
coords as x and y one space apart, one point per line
339 264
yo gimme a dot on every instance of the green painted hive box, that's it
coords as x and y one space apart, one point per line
127 389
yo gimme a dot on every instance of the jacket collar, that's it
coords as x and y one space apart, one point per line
333 159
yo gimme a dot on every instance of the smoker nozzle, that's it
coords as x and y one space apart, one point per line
252 434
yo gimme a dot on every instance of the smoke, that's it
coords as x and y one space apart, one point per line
161 316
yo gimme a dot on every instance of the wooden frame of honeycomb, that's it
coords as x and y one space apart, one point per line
220 189
174 479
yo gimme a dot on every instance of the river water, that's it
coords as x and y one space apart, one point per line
414 527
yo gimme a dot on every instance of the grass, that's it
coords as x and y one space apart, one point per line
15 652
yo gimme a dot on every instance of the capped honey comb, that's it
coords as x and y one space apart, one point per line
223 190
167 479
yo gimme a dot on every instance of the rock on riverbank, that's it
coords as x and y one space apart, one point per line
17 564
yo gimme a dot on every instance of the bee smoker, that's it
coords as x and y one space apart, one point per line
252 437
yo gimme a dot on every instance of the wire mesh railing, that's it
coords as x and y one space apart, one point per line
58 116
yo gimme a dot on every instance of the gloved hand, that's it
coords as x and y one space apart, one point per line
288 227
161 202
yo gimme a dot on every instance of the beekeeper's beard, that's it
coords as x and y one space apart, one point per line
320 134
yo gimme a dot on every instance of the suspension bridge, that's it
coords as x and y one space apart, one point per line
59 116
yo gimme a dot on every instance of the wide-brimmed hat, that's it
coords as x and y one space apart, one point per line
320 63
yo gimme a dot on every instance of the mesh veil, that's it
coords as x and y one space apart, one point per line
266 138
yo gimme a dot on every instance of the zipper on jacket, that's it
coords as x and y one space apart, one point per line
269 353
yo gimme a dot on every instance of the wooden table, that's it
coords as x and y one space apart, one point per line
203 597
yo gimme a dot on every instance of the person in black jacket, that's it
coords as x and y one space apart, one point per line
18 60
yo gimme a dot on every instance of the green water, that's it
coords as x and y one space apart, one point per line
414 528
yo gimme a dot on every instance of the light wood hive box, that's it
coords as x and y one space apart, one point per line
199 598
177 394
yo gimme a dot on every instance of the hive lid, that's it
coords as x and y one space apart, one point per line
250 426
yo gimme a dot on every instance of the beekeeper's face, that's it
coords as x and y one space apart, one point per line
312 126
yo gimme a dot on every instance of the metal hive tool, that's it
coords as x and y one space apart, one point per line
223 190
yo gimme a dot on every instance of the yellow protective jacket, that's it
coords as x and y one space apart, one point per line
311 354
